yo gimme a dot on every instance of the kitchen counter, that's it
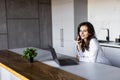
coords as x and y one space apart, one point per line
94 71
89 71
110 44
35 70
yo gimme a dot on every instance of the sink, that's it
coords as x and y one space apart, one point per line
103 41
110 42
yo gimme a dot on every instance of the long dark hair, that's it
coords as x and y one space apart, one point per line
91 31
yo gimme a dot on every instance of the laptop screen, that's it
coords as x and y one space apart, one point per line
52 50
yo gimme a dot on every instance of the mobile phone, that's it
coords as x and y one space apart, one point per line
79 38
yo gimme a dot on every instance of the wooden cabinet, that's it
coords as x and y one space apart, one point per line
25 23
3 28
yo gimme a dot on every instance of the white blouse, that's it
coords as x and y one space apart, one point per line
94 54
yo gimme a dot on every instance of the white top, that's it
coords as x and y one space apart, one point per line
94 54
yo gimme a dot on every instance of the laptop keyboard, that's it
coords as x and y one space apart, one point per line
67 62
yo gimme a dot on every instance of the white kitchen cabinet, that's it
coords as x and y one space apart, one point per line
66 14
113 54
63 24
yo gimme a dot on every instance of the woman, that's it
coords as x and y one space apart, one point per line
88 46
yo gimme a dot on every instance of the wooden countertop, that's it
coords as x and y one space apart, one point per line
36 70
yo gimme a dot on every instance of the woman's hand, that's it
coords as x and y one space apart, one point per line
78 43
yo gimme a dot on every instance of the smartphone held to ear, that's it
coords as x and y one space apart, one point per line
78 38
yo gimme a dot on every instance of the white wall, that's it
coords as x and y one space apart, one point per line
105 14
63 19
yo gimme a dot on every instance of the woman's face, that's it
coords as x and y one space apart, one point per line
84 32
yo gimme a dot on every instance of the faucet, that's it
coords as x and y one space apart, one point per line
108 35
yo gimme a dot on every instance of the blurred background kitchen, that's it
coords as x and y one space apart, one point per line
39 23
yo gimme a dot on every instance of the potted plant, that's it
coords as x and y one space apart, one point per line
29 53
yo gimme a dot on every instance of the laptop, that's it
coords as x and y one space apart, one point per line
63 61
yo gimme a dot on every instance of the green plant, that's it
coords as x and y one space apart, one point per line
29 53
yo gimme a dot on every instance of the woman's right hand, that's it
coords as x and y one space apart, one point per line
78 41
78 45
